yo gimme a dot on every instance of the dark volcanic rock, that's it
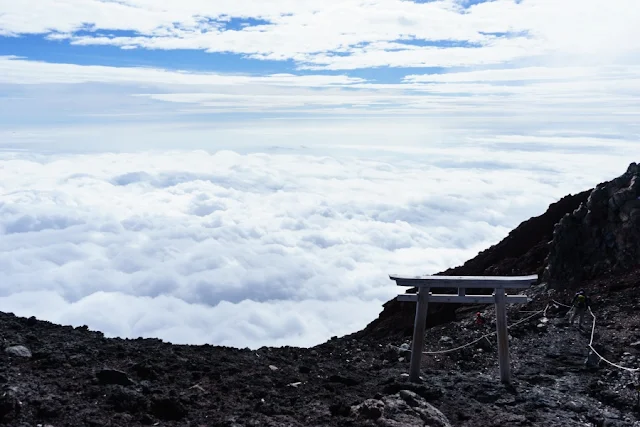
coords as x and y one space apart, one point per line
340 409
125 400
10 405
343 380
169 409
113 376
48 408
602 236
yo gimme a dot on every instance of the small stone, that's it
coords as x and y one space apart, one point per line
371 409
273 368
18 351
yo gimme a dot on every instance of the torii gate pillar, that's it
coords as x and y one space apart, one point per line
417 344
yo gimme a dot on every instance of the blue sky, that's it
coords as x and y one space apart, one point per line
39 48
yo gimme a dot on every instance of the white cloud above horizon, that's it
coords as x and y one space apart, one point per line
256 249
535 91
355 33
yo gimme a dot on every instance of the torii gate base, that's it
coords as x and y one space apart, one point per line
499 298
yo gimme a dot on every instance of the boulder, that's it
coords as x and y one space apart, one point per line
405 408
18 351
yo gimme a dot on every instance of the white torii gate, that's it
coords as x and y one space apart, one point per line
498 283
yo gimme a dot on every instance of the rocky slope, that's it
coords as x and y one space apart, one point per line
76 377
54 375
601 236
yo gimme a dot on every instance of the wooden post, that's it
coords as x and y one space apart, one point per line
418 333
503 336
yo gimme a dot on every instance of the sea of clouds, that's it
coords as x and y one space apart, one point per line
248 248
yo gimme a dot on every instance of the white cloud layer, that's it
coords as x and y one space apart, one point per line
259 249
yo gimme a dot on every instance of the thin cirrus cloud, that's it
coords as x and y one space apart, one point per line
17 70
533 90
256 249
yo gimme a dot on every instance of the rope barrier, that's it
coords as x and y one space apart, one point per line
544 313
590 345
593 331
451 350
559 303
